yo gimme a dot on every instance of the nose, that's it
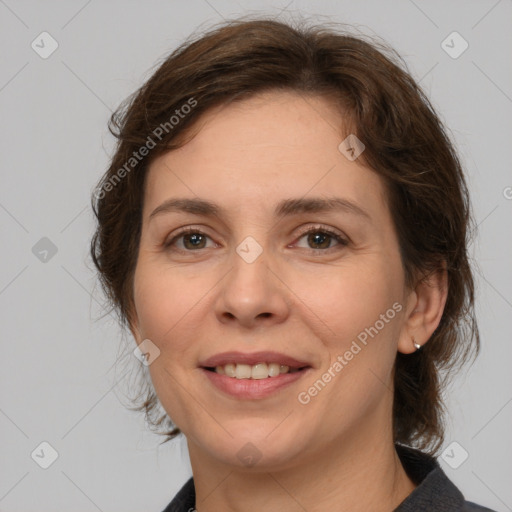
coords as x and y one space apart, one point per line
252 294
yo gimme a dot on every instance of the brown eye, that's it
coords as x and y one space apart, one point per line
192 240
320 239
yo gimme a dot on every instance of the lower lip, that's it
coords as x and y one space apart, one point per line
253 389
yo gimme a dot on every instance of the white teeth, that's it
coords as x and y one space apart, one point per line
259 371
256 371
273 370
243 371
230 370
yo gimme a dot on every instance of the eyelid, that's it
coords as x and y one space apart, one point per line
322 228
183 231
342 239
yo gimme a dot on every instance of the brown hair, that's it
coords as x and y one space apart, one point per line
405 143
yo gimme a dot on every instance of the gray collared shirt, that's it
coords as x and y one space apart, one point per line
435 492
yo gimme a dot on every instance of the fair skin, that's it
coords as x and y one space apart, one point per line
305 296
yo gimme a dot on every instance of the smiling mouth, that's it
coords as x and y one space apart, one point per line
254 372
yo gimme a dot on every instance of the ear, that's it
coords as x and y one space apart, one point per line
425 306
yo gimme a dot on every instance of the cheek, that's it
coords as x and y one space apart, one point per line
360 317
360 312
165 303
347 299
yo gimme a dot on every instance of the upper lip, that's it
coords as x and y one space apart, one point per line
251 359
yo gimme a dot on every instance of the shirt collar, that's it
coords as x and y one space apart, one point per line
434 491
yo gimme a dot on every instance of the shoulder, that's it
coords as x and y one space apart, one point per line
434 491
469 506
185 500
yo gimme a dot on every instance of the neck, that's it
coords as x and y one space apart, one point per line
354 473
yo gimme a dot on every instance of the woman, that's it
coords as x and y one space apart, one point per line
283 228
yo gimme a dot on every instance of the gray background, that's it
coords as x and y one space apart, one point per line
57 380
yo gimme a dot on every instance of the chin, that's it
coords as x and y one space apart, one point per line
256 448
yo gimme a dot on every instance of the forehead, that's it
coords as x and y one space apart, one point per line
259 150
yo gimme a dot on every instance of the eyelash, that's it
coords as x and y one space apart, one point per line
315 229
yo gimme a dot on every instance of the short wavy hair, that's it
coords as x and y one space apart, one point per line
406 144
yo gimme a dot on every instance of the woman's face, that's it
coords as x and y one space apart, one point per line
250 279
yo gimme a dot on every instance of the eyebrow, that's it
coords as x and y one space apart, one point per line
284 208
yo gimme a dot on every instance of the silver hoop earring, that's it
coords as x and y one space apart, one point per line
417 345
